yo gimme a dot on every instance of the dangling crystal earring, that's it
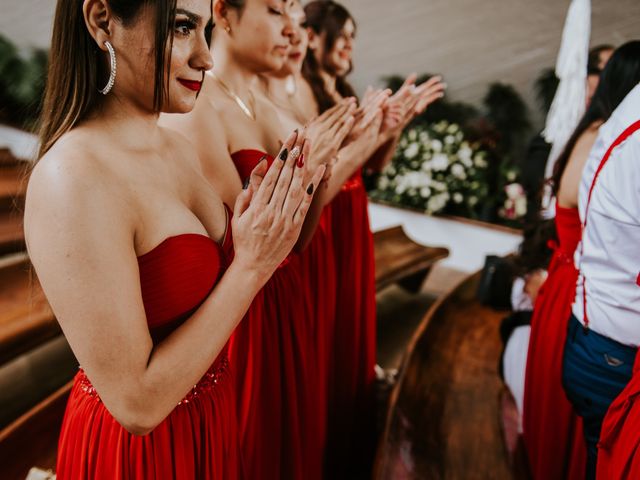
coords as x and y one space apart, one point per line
112 73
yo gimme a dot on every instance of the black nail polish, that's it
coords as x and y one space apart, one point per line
245 185
284 154
310 189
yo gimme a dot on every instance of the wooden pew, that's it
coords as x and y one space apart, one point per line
12 190
26 320
11 232
32 440
399 259
444 415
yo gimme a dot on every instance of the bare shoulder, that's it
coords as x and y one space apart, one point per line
583 146
73 182
570 182
72 167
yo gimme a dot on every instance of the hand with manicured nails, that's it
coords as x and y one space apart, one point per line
410 101
270 211
327 133
372 105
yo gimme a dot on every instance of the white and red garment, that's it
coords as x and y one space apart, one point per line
609 203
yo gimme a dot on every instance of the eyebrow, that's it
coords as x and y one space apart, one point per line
195 18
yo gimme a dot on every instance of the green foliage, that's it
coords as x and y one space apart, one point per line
21 85
508 113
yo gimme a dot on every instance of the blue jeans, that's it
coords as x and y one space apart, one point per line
595 370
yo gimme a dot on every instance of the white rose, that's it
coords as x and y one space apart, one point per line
479 161
453 128
383 183
473 200
457 197
412 135
436 145
412 150
464 154
514 190
457 171
439 162
449 139
511 175
423 137
425 192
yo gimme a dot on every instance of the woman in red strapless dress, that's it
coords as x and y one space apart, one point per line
552 431
270 355
317 260
147 309
352 421
280 383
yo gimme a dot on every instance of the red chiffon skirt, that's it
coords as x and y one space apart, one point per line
552 431
272 373
619 445
351 429
197 440
319 272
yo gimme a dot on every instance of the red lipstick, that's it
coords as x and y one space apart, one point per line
191 84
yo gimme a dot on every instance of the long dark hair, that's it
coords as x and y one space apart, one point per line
75 67
328 17
618 78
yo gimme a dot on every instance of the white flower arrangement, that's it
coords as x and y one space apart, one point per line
435 169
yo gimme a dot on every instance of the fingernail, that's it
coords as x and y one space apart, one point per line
301 161
262 158
245 185
310 189
284 154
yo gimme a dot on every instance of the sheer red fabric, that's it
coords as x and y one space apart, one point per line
619 439
276 379
199 438
319 274
351 429
552 431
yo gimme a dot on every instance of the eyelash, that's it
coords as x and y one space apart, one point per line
184 23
